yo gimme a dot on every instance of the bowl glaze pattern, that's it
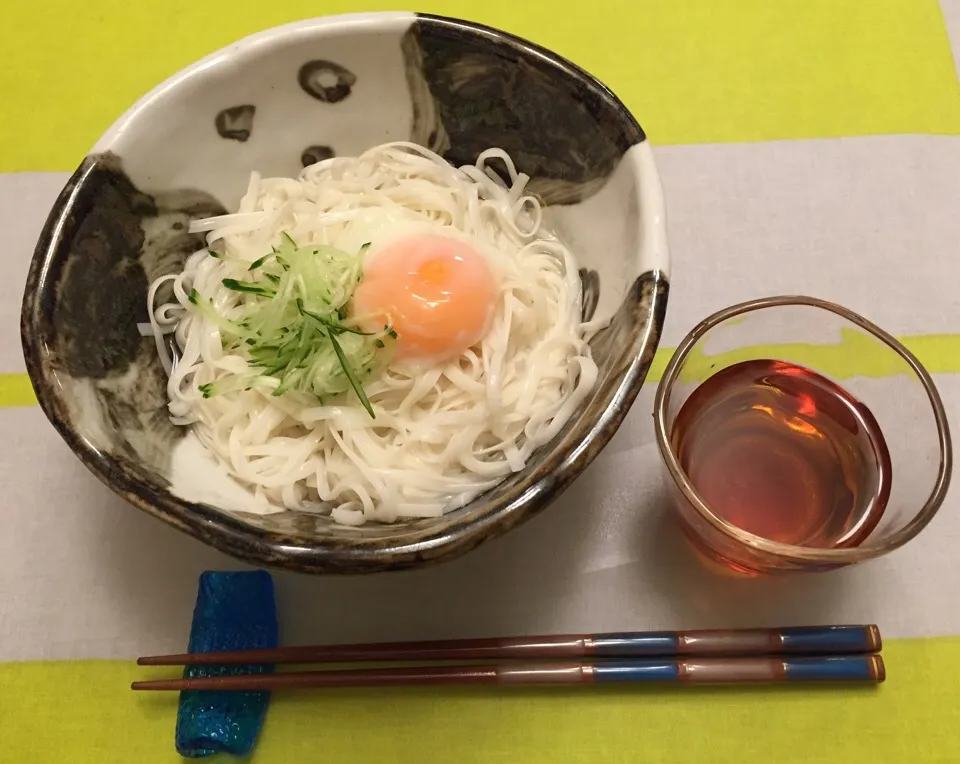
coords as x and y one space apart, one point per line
273 103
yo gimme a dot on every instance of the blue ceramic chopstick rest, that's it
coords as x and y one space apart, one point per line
234 611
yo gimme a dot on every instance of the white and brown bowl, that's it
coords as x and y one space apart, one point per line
274 102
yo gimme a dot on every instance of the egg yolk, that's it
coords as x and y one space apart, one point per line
437 293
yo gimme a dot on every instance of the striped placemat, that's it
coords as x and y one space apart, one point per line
805 147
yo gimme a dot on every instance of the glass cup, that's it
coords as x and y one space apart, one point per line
862 359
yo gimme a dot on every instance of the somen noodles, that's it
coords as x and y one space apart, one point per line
385 336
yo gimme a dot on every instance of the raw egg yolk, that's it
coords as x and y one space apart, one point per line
437 293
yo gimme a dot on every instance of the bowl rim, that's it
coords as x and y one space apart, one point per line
261 546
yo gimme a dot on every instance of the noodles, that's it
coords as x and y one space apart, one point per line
442 432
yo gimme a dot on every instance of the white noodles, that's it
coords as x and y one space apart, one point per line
442 434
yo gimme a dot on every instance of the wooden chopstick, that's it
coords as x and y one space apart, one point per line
842 668
809 640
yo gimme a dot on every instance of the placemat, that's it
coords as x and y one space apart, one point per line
804 147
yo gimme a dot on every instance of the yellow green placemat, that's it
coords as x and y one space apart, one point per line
83 713
694 71
855 355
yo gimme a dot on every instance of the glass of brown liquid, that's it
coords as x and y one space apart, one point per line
797 435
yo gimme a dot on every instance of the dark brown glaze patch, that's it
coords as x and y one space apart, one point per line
236 123
102 293
313 154
85 355
326 81
474 88
590 293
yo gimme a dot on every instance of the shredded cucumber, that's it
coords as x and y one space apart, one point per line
291 325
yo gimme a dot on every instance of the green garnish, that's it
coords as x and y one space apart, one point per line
247 286
292 328
333 326
354 382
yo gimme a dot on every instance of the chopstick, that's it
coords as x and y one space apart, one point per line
807 640
814 653
844 668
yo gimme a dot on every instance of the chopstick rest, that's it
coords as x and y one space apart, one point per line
234 611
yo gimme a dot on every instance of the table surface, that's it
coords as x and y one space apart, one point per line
804 147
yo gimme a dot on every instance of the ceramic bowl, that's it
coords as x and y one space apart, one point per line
274 102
